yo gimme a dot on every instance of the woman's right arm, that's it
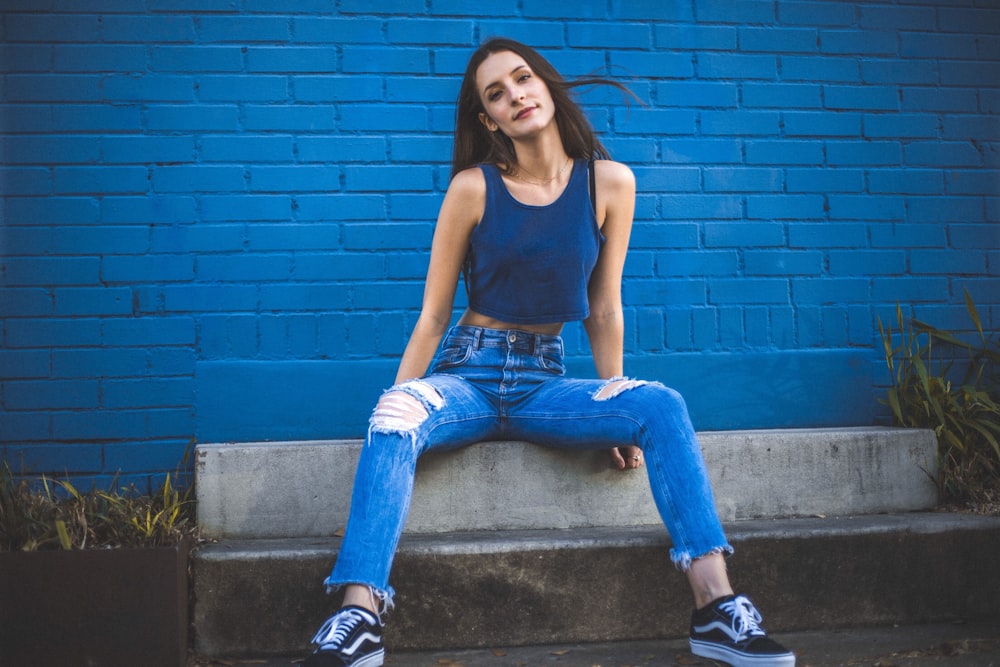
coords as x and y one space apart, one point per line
460 212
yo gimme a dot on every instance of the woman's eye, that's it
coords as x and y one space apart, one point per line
494 96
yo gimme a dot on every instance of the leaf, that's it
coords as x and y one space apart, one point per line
64 540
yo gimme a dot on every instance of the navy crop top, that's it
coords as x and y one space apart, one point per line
531 264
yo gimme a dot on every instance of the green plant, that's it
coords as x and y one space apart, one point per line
55 515
942 382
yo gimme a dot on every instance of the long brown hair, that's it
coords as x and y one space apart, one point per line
474 143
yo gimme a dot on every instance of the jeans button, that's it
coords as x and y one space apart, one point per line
512 337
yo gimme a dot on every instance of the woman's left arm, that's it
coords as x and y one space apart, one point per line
606 324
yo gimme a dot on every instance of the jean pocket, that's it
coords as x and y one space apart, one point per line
552 363
451 355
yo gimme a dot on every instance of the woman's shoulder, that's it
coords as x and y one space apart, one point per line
470 181
613 172
613 176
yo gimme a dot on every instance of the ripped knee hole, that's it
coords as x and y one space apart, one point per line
616 386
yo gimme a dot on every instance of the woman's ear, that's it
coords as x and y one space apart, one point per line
488 122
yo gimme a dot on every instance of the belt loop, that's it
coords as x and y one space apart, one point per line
478 338
536 343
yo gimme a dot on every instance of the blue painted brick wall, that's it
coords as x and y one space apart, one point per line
216 215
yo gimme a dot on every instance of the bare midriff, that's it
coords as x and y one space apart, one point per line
473 319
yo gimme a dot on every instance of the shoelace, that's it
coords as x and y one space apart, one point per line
337 629
746 618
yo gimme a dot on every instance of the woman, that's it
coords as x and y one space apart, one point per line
540 230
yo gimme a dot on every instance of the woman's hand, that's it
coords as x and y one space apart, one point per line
626 458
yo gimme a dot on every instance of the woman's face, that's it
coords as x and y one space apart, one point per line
517 102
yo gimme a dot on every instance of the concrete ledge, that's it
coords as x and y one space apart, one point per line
300 489
478 589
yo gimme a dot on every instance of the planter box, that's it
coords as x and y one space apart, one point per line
95 608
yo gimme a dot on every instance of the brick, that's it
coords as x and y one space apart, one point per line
697 151
384 236
54 88
783 263
870 98
193 118
244 267
338 88
922 44
290 118
335 30
340 266
948 262
239 88
26 332
23 364
243 29
700 207
901 125
961 19
858 42
148 210
816 13
247 148
926 100
823 291
908 236
812 69
974 127
909 181
143 29
26 302
198 298
689 94
741 123
866 207
979 236
26 180
198 178
942 153
667 179
340 207
52 210
785 207
308 297
51 394
227 336
948 209
896 72
664 292
651 9
782 95
743 234
273 59
429 31
100 425
730 66
867 262
380 178
857 153
422 207
300 237
49 150
246 207
827 235
127 269
784 152
26 58
697 263
294 178
371 118
188 58
908 289
736 11
340 149
695 37
52 28
773 39
743 179
538 33
147 149
56 459
738 291
145 331
824 180
49 271
366 60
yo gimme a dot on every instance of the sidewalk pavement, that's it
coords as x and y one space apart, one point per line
965 644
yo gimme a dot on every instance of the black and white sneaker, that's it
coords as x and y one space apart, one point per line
729 630
350 638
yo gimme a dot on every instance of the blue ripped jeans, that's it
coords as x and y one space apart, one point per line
486 384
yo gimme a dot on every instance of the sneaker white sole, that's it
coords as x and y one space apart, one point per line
373 660
737 659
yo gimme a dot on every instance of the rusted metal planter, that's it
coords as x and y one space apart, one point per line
95 607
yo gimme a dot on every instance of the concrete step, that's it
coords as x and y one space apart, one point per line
302 489
515 588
